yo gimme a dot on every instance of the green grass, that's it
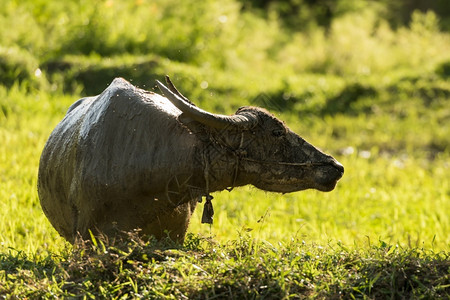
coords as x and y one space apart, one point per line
375 97
239 269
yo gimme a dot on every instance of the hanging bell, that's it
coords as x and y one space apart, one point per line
208 211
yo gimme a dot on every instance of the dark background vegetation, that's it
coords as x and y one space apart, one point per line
88 43
302 13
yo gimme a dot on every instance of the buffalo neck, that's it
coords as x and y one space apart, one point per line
220 159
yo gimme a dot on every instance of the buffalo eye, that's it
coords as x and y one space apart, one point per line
278 132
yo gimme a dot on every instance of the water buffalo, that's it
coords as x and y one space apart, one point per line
129 159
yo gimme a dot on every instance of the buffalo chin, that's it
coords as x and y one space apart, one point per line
285 189
327 188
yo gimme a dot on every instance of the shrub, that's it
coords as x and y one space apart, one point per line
443 69
17 65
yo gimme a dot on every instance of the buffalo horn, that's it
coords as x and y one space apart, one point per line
204 117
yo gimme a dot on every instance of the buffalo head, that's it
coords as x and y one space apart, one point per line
263 150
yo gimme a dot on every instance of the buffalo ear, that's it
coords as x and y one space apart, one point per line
185 119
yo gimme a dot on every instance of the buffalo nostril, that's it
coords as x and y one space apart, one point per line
338 166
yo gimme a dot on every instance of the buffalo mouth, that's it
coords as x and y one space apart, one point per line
328 175
328 187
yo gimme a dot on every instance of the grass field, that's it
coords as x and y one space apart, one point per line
374 96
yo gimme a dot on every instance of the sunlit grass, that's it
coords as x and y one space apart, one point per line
24 129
